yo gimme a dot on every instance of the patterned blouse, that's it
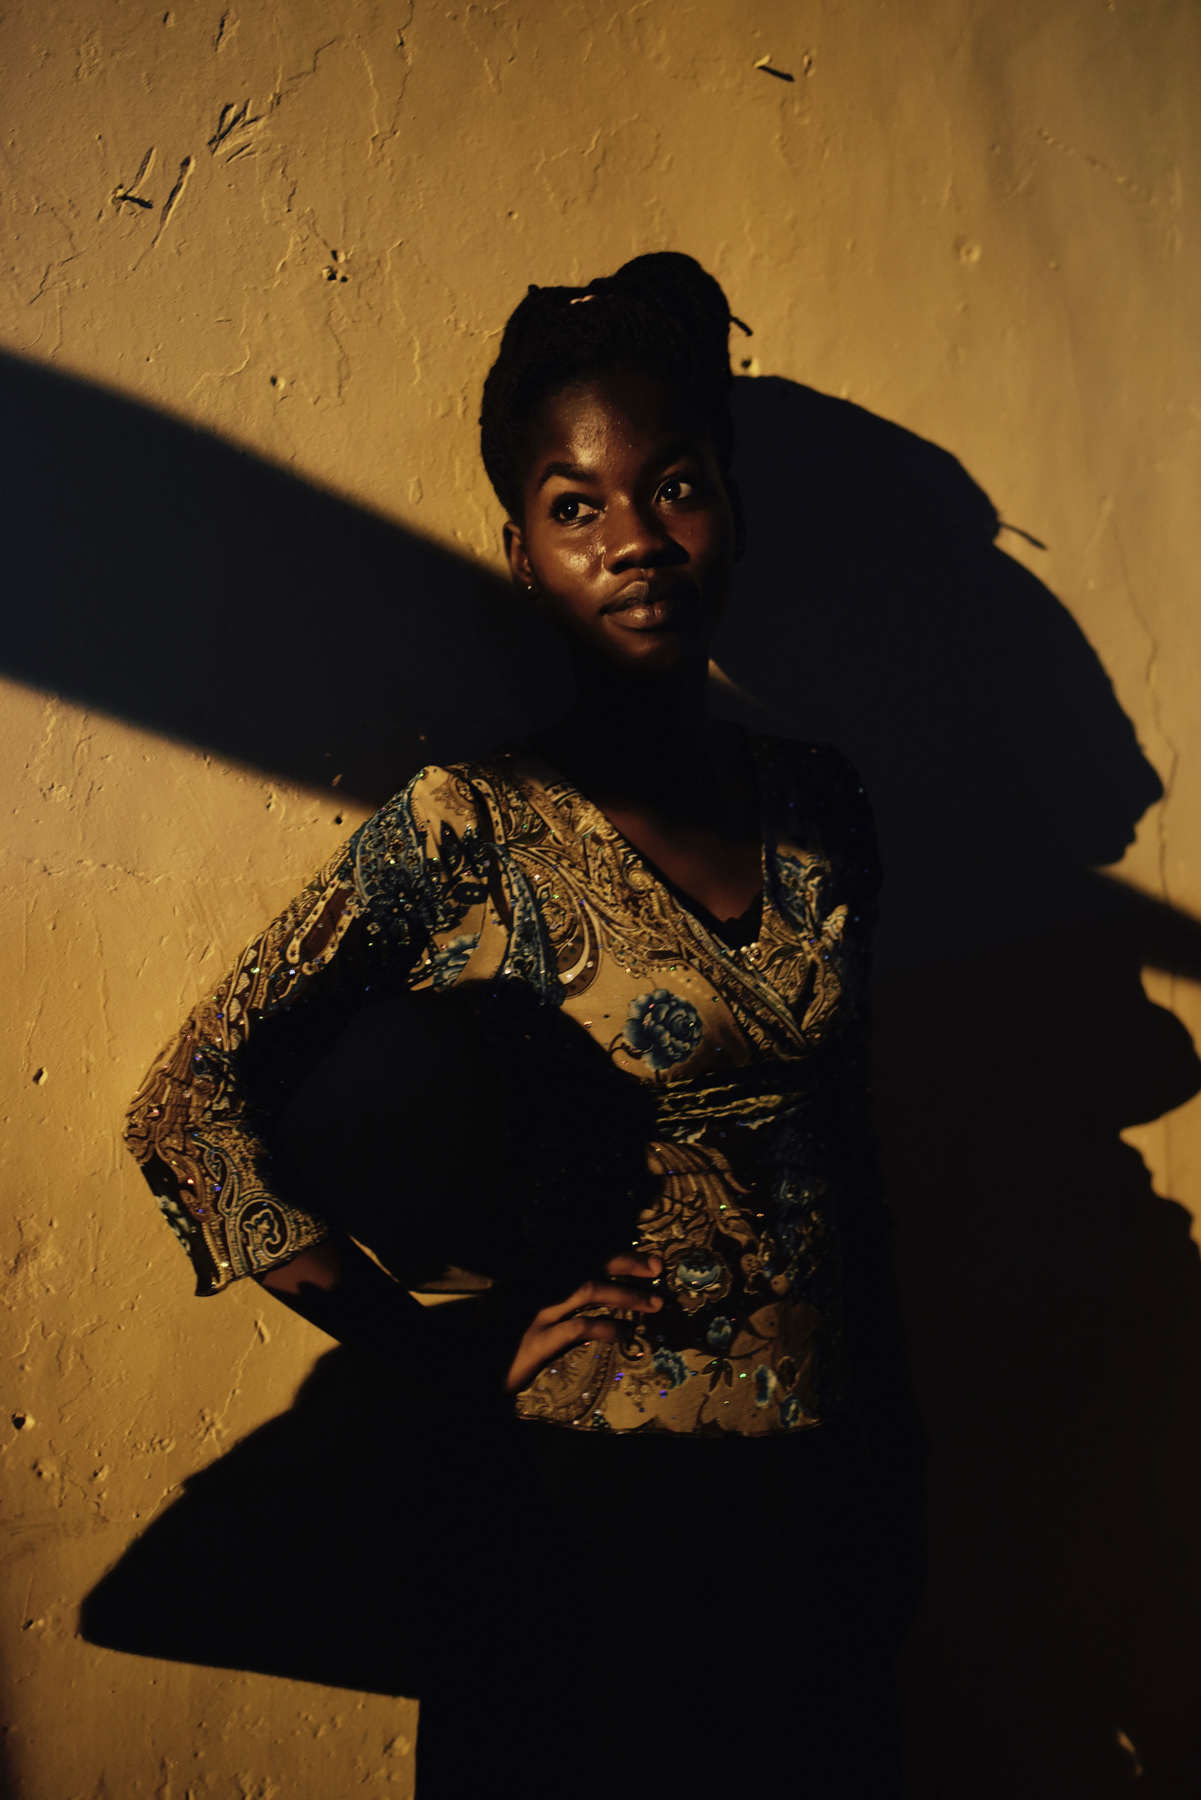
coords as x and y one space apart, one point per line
501 871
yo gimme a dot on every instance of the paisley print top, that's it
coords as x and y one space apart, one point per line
501 871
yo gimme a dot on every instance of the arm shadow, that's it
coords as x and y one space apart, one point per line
320 1518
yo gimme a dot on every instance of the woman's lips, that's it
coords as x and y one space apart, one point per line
642 607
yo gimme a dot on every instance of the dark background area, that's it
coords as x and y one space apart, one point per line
1050 1300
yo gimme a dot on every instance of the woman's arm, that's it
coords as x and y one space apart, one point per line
196 1125
203 1124
483 1346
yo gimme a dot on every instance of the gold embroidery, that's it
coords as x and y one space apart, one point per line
501 869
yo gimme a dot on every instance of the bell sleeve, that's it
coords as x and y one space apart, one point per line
199 1126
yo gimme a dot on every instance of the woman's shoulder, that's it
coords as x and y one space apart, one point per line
452 791
813 794
463 799
814 768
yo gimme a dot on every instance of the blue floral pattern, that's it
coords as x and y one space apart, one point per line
662 1028
765 1384
671 1367
701 1275
791 1411
720 1331
447 964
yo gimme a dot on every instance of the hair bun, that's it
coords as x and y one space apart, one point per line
662 311
682 287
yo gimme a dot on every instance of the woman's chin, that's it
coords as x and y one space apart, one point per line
645 654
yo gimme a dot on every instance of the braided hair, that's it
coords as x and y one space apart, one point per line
662 312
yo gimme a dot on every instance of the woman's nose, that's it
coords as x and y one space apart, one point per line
638 538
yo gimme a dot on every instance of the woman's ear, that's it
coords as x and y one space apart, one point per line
734 494
518 560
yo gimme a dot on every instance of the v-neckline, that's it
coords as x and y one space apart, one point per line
550 777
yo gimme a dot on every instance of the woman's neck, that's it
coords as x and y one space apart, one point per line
645 742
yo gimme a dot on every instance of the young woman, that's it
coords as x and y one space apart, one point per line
655 1383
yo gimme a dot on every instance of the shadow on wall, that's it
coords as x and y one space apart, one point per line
190 588
1051 1300
317 1512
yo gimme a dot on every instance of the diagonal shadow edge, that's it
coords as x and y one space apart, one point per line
171 579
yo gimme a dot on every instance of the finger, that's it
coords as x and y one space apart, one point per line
544 1346
646 1265
577 1331
626 1299
599 1293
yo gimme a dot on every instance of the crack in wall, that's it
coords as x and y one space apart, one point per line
1134 188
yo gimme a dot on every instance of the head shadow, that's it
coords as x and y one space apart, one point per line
1042 1283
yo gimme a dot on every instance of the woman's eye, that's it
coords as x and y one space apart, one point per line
676 489
569 509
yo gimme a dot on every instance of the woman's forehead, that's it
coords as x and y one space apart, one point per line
617 411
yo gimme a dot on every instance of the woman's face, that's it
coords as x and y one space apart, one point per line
629 533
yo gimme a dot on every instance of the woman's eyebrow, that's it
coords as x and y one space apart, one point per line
676 452
569 472
669 453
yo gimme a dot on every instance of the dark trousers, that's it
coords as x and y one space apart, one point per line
647 1617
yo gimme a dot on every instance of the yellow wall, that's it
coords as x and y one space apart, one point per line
978 221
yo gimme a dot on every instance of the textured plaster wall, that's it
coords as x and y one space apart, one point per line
300 227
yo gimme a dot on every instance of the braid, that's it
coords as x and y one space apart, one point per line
662 312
